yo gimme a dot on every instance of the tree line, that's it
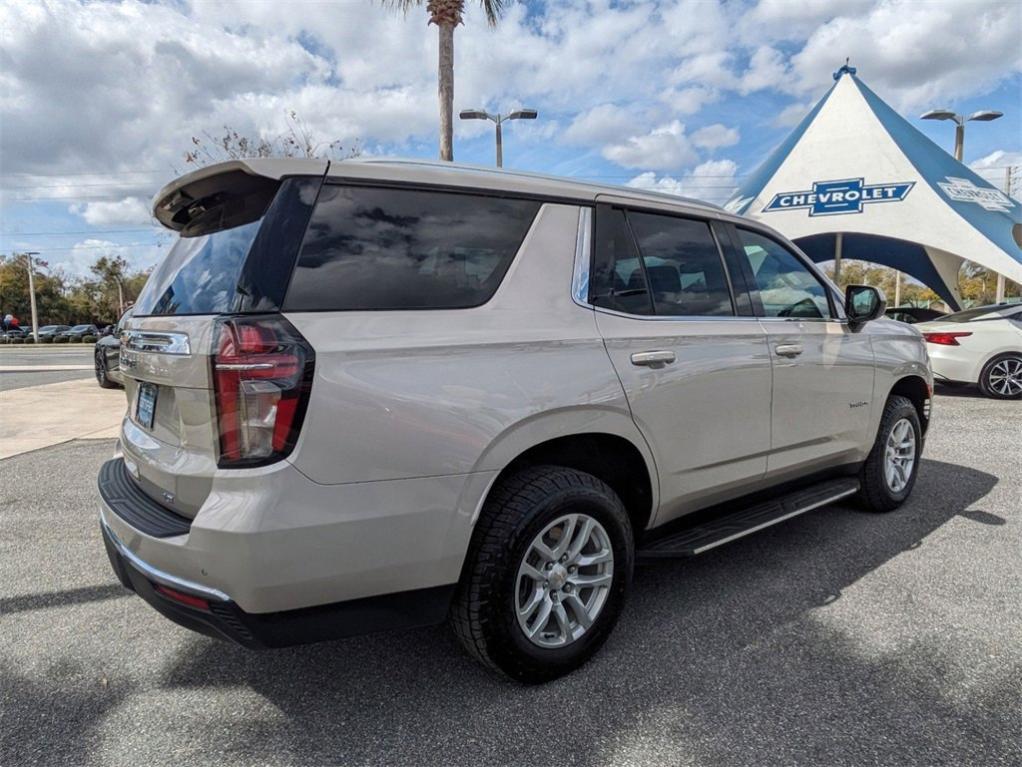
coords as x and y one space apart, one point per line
977 286
64 300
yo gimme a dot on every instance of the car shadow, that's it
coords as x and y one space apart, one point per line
959 391
727 653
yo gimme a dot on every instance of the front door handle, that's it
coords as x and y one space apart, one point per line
653 359
788 350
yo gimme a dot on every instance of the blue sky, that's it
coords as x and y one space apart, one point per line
99 100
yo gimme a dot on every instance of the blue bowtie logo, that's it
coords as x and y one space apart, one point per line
831 198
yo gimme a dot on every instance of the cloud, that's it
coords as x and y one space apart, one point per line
665 147
792 114
915 54
603 123
995 167
767 69
85 253
715 136
712 181
688 101
130 210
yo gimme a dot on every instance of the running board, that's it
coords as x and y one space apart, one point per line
724 529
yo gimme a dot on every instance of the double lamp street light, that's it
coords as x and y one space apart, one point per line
518 114
983 115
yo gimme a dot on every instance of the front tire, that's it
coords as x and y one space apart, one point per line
890 470
102 375
1002 377
546 574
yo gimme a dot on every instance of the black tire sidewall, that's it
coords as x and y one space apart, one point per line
508 644
903 410
100 364
985 388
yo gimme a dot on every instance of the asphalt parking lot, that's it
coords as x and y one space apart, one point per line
21 367
837 638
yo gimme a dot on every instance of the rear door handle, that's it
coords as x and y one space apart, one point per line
788 350
653 359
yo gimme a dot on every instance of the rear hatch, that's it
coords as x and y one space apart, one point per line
228 269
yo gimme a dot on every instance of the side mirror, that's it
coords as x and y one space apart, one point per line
863 303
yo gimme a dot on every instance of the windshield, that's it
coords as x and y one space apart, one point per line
81 327
199 274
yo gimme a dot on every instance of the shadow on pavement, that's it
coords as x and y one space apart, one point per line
723 657
39 727
45 599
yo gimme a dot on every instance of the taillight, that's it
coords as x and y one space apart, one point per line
262 374
944 339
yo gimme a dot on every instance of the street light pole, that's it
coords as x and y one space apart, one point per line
31 294
500 144
499 119
983 115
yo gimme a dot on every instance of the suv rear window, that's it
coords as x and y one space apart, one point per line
199 274
372 248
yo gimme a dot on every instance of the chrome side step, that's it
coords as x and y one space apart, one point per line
716 532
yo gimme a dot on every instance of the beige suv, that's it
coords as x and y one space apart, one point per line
380 394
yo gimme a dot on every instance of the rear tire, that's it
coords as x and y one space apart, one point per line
890 471
526 519
1002 377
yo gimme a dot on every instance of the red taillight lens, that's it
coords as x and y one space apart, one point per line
944 339
262 373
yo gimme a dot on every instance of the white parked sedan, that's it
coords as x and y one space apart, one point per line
980 346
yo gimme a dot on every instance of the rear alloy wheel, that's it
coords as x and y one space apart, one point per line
102 374
889 473
1002 377
546 573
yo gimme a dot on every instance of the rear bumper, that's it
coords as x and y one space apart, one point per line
213 613
950 363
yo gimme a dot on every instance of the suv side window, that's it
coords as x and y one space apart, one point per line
786 286
369 248
618 280
683 266
648 263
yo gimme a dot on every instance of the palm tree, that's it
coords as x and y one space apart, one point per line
447 14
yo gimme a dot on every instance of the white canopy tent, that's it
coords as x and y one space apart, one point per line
856 180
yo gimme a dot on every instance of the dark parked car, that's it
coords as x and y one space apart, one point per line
913 314
14 334
78 332
108 356
48 332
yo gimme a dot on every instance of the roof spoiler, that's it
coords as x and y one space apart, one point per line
227 194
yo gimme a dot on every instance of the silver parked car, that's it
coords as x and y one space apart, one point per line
376 394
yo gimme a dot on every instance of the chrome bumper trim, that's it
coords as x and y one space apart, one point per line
155 574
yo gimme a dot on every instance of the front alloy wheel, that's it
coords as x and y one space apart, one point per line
889 472
900 455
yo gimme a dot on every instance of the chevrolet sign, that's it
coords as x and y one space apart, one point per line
831 198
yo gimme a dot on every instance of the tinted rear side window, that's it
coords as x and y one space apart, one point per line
683 265
199 274
368 248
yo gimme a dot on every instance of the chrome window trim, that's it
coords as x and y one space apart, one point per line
155 574
583 256
157 342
